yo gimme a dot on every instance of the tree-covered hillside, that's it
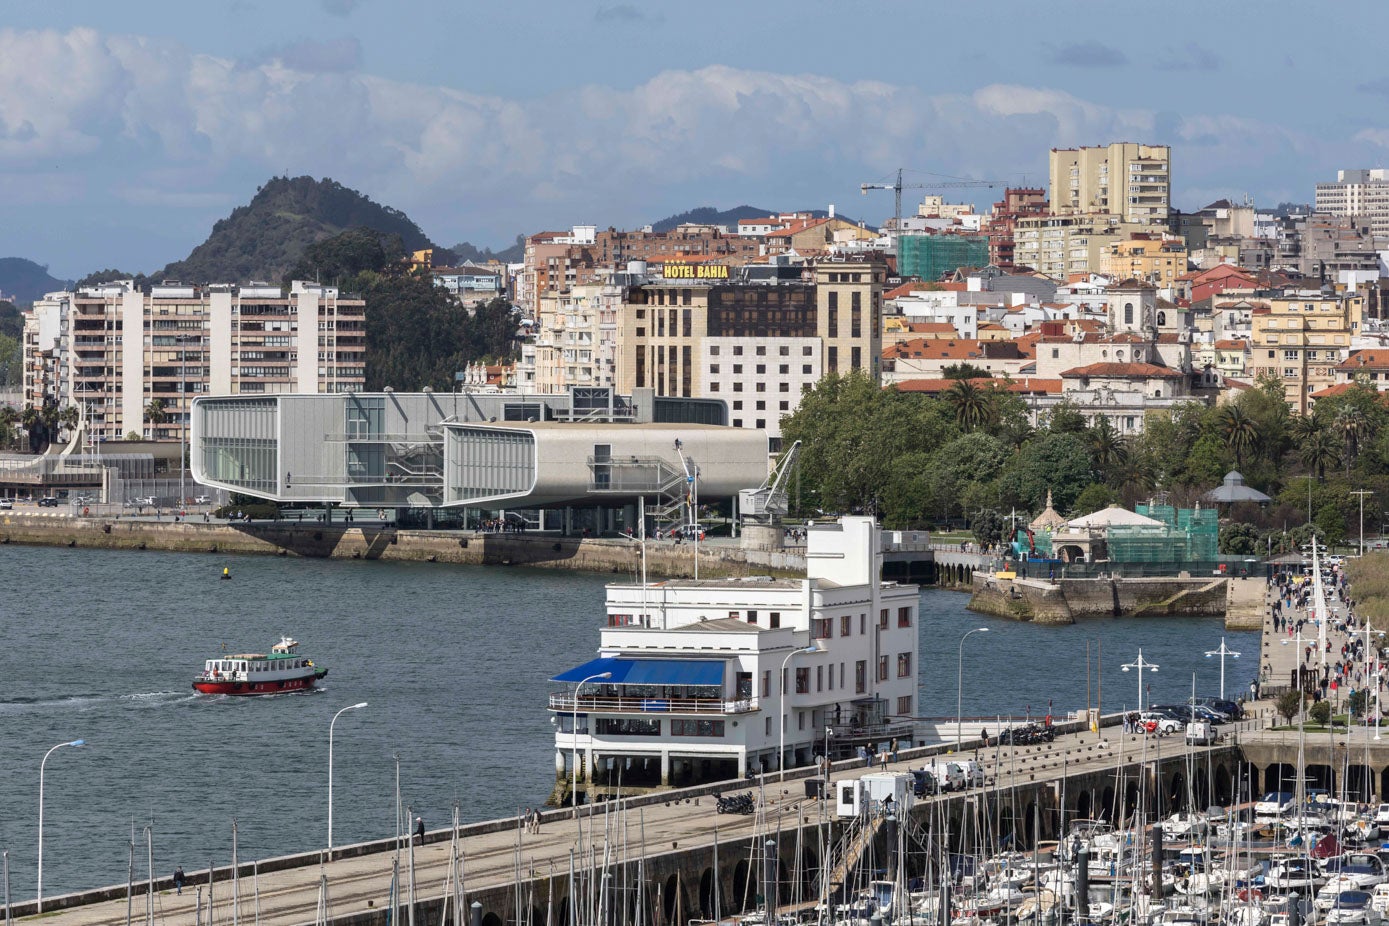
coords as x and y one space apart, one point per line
24 281
265 238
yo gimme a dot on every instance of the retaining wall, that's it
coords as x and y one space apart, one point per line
1067 600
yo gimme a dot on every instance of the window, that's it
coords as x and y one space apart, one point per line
737 422
824 628
738 387
805 369
802 680
1128 313
861 676
805 351
752 617
766 683
737 405
784 351
761 423
882 668
862 624
761 351
761 405
622 726
713 368
834 359
774 619
846 625
713 387
713 351
904 706
819 678
784 368
737 368
737 350
761 367
904 665
882 619
1055 353
904 617
696 727
786 406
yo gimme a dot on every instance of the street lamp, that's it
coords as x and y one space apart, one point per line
1222 653
574 742
350 707
1140 665
781 748
42 763
960 688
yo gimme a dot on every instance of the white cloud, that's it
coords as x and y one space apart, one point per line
157 123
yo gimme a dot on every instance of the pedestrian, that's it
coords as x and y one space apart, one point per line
894 749
178 879
419 829
884 759
535 821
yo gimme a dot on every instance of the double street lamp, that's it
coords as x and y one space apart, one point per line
1222 653
350 707
960 688
1140 664
39 897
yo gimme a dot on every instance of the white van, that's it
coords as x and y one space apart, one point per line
973 772
949 775
1199 733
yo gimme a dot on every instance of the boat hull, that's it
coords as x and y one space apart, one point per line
240 689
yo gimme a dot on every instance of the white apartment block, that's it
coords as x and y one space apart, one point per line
1358 193
112 350
761 379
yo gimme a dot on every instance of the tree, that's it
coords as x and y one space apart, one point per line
1095 497
971 404
989 526
965 371
1288 704
1320 713
1319 450
1107 448
1353 424
1066 418
1239 539
155 412
1238 430
1059 462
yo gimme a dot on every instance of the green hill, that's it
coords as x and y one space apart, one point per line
265 238
23 281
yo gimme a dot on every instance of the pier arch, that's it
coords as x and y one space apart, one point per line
741 895
706 894
671 901
1107 806
1360 780
1321 776
491 919
1280 776
1223 785
1084 805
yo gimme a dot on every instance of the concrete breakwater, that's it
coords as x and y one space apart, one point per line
385 542
1066 600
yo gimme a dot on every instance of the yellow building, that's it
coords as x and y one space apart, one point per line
1125 179
1155 259
1301 338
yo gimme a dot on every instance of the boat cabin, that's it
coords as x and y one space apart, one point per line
283 661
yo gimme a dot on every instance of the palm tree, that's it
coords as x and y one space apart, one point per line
1107 448
155 413
9 424
1240 432
1320 451
973 407
1351 422
1307 425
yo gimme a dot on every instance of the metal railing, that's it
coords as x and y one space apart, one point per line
564 701
844 732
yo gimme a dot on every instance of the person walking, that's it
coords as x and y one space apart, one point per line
179 880
419 829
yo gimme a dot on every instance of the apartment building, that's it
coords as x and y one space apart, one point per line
1125 179
1016 203
1360 194
576 339
1301 338
113 349
757 339
1061 245
1156 259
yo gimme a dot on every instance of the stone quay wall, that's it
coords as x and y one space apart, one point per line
1066 600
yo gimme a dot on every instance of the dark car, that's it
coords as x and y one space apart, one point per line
924 783
48 501
1227 707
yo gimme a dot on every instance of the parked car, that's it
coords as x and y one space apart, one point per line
48 501
1159 722
6 504
203 500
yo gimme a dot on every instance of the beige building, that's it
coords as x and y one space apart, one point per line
1060 245
112 349
1301 338
1125 179
576 339
756 345
1152 258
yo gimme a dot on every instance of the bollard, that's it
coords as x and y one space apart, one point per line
475 914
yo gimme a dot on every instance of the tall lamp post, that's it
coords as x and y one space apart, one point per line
781 747
350 707
960 688
574 740
1140 664
39 897
1222 653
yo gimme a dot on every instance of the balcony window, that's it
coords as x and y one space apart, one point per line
904 665
803 680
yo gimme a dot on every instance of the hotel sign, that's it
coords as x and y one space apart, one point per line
696 272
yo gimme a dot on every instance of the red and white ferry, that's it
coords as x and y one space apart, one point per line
284 669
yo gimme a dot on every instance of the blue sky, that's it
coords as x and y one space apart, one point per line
126 130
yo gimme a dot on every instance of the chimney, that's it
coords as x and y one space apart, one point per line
831 210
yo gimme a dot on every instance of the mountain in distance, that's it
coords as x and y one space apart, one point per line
460 253
265 238
23 281
708 215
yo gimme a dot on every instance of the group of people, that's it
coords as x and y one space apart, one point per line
502 526
1326 671
530 819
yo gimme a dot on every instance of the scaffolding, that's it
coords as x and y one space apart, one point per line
1185 535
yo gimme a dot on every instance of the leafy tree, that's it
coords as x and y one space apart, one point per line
1288 704
1358 702
965 371
1107 448
1332 521
1059 462
1320 713
1319 451
1239 539
1066 418
989 526
343 256
1095 497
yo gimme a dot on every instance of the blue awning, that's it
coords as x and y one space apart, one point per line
648 671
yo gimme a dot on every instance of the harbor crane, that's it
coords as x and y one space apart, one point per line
899 186
768 503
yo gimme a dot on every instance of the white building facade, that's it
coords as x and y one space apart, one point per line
714 680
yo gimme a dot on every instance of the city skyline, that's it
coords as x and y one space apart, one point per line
127 132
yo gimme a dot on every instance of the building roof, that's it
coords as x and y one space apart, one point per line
1365 360
1113 516
1048 520
1029 385
952 349
1333 391
1124 371
1233 489
1235 344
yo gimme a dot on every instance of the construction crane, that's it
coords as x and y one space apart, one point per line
768 503
899 186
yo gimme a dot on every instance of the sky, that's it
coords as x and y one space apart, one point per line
128 129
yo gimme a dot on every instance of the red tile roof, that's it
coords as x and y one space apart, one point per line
1236 344
1123 370
1027 384
1365 360
1330 391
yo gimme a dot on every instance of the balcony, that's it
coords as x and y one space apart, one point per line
564 701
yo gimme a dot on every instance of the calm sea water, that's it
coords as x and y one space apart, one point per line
453 662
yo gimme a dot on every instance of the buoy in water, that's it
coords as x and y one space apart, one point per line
226 572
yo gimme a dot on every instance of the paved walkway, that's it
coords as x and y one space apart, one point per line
1282 651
